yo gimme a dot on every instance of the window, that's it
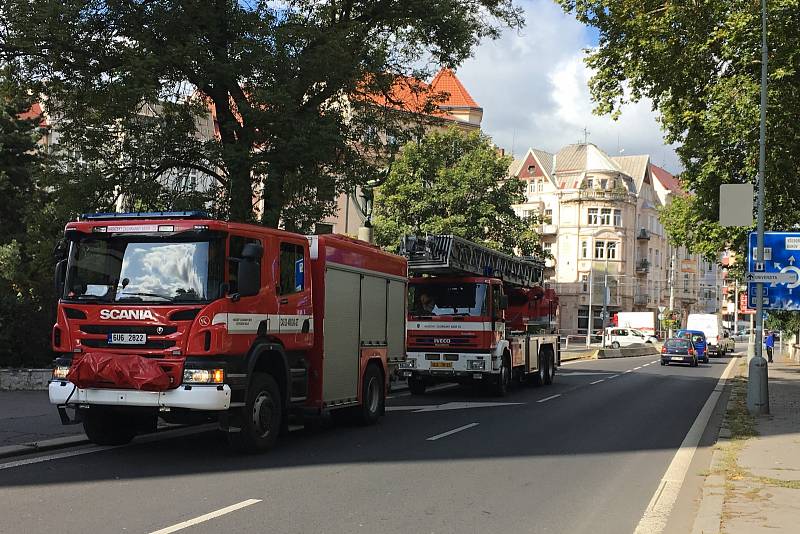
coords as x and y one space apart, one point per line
658 259
547 248
686 282
323 228
540 186
605 216
527 214
599 250
611 247
292 276
548 215
593 219
617 217
589 183
531 168
584 249
584 282
235 247
603 183
531 187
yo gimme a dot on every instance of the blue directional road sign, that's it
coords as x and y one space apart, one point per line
780 271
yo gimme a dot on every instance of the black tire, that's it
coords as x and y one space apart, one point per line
261 416
663 362
550 370
373 396
416 386
105 427
615 345
500 387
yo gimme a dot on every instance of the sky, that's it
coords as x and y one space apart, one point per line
532 86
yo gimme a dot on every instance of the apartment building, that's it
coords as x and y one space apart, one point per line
602 230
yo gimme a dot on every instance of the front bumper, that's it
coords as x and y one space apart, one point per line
194 397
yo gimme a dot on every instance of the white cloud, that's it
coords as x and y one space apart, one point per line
532 85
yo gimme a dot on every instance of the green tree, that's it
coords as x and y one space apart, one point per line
451 182
27 232
700 64
288 83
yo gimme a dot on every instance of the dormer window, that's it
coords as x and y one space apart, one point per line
531 168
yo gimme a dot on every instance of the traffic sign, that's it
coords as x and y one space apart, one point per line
779 273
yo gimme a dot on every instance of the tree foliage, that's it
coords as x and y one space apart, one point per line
700 64
452 182
283 79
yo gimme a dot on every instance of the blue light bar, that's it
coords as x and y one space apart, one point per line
146 215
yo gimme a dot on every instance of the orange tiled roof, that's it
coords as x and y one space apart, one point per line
35 112
666 179
457 96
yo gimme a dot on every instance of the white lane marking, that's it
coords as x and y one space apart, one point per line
587 373
658 510
645 365
637 368
434 388
629 371
146 438
614 376
579 360
449 406
451 432
90 449
597 381
551 397
408 408
206 517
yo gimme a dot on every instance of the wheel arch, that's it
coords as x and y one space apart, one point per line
270 357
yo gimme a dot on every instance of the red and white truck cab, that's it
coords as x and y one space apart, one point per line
476 315
177 314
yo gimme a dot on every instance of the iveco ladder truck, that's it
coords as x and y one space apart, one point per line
477 316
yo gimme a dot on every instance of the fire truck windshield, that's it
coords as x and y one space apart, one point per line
455 298
131 270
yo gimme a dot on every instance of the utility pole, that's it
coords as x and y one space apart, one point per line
589 325
758 380
671 286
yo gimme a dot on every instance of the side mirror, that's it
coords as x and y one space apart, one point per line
252 251
503 302
248 277
59 276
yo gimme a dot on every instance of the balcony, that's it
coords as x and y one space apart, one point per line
643 235
549 229
642 267
641 300
597 195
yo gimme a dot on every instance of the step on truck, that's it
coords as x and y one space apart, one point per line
477 316
179 316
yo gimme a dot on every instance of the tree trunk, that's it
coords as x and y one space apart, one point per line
274 200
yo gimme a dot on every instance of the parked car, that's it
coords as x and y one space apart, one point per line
698 340
679 350
625 337
727 343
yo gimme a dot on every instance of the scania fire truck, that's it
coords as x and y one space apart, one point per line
179 315
477 316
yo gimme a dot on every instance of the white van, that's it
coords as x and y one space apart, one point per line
711 325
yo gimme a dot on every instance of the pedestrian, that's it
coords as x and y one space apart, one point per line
769 343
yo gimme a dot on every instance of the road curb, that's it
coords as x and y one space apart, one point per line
709 514
43 445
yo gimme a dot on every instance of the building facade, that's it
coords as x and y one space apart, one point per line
601 227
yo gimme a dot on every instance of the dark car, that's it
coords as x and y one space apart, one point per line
699 340
679 350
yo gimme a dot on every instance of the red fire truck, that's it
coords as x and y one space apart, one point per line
477 316
178 315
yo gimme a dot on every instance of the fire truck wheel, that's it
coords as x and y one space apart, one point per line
550 371
104 427
416 386
373 396
261 416
500 388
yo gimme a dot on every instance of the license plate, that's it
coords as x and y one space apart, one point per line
442 364
127 339
677 357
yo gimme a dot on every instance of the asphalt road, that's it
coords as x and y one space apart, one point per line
582 455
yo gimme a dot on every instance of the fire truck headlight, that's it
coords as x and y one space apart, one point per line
203 376
476 365
60 372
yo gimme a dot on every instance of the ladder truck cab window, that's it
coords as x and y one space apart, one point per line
448 298
134 269
292 269
235 248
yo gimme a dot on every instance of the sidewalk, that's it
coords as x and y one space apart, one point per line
754 482
28 416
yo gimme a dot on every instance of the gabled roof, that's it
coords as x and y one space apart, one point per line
515 167
457 96
546 161
583 157
633 166
408 94
666 179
